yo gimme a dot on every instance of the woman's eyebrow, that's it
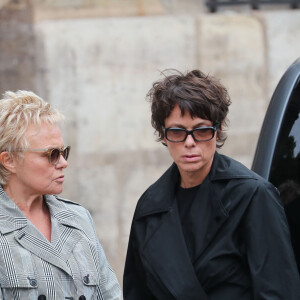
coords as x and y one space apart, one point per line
203 124
200 124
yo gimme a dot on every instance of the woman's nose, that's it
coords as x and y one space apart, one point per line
189 141
62 162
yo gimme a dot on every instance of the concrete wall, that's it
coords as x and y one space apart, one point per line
96 60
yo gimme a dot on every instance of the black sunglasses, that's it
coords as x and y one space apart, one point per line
200 134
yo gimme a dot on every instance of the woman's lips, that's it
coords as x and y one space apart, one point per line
60 178
191 157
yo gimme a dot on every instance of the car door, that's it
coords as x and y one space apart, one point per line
277 156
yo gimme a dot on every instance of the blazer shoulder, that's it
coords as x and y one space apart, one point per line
66 201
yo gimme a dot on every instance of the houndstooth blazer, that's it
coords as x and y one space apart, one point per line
73 266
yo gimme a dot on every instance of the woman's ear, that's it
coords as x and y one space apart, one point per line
219 131
164 142
8 161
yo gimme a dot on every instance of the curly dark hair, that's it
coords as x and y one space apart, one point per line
201 95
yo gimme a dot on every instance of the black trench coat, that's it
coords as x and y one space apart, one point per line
243 243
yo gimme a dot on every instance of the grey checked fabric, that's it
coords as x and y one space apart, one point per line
73 266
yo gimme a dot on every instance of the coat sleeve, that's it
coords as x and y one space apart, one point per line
269 252
109 288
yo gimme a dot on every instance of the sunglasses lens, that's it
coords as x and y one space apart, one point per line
54 156
66 152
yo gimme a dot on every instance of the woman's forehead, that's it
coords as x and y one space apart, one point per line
176 117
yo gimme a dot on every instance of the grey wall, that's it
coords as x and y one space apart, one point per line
96 61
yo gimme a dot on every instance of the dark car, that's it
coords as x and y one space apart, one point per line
277 156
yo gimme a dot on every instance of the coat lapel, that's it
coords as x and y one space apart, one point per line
164 251
167 258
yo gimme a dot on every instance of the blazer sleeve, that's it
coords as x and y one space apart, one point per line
109 288
270 255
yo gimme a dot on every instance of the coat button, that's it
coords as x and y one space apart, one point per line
86 279
82 297
32 282
42 297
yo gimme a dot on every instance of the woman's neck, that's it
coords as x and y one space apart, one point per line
32 206
27 201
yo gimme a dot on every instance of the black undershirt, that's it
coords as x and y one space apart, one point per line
185 202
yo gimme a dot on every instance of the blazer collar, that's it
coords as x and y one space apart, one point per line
160 195
60 210
12 218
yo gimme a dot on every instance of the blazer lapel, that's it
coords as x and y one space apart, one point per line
32 240
66 232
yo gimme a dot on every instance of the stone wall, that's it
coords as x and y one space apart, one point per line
17 56
96 60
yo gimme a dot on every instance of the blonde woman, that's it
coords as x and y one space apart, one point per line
48 245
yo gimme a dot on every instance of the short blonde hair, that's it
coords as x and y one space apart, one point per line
17 111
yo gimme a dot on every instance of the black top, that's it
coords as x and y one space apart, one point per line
187 205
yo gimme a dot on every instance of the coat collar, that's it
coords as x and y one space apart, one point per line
223 168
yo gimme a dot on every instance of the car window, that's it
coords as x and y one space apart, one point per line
285 168
277 156
286 161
